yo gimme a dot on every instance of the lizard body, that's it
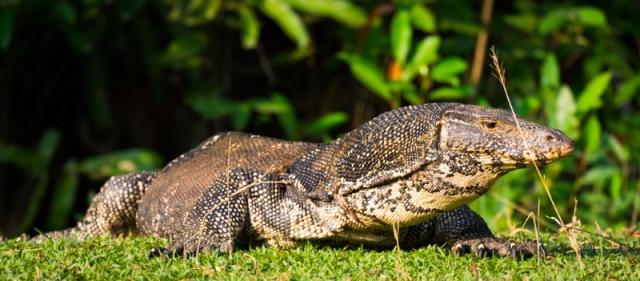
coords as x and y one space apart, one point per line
415 167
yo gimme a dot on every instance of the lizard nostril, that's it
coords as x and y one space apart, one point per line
550 138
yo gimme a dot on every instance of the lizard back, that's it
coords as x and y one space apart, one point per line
175 191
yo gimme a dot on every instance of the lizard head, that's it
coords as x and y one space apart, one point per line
410 164
493 138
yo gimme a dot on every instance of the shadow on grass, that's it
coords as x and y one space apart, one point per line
556 250
591 251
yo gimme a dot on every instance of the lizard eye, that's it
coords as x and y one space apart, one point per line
490 124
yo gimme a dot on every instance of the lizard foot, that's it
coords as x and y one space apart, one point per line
483 247
189 250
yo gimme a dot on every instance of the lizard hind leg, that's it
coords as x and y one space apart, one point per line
112 211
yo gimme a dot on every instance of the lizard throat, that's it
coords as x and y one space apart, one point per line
433 190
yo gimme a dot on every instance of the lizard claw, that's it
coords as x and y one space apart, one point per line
156 252
485 247
171 252
458 249
540 250
190 249
481 250
513 250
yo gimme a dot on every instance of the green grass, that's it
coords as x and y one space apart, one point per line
125 258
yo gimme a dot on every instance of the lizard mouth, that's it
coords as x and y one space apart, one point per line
526 160
566 150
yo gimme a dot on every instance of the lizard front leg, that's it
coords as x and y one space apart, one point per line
215 222
466 232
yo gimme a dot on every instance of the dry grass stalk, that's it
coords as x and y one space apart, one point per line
536 220
634 214
401 273
499 73
520 209
228 194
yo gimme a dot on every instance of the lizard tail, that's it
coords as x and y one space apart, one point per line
112 211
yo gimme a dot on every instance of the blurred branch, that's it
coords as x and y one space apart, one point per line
481 43
266 66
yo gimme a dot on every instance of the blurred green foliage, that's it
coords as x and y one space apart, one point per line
83 81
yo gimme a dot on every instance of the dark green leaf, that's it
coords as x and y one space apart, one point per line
448 69
65 12
119 162
213 106
287 117
279 106
288 20
619 150
552 21
591 96
591 16
465 27
592 135
597 175
412 97
627 90
342 11
271 106
369 75
48 145
451 93
615 185
423 18
550 72
45 150
426 53
325 124
211 8
401 32
250 27
62 200
241 116
17 156
524 22
194 12
185 50
7 17
565 117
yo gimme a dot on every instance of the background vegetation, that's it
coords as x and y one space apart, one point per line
94 88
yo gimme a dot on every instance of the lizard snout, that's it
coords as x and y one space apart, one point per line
557 144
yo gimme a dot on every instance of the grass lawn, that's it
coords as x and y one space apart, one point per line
125 258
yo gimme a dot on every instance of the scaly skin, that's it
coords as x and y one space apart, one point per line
415 167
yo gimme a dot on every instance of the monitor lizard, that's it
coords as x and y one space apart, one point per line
415 168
